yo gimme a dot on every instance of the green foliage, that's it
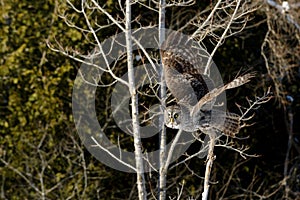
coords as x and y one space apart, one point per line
37 133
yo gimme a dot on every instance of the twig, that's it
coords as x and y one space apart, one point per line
222 37
21 175
112 155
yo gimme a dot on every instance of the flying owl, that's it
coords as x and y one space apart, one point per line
194 91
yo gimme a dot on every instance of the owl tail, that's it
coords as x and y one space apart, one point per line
228 123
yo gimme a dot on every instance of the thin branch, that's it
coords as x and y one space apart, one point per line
112 155
21 175
253 104
171 150
222 37
208 19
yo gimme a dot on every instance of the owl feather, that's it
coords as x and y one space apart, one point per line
194 90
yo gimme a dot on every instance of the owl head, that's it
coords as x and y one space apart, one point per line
173 116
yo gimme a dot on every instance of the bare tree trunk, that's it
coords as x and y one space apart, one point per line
134 108
209 163
163 137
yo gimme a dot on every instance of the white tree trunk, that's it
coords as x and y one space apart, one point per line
163 137
134 108
209 163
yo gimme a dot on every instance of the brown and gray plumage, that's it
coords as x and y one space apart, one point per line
195 92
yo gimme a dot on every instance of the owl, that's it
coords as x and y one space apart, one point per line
194 91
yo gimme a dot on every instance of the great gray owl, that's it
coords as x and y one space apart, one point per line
195 92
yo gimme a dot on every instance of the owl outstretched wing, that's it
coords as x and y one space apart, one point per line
184 67
241 80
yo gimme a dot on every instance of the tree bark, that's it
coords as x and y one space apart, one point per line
134 108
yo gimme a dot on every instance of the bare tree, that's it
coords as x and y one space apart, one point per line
163 136
134 107
216 23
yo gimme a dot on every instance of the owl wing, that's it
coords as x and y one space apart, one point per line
183 69
241 80
226 122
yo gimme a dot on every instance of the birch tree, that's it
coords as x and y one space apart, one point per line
215 24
